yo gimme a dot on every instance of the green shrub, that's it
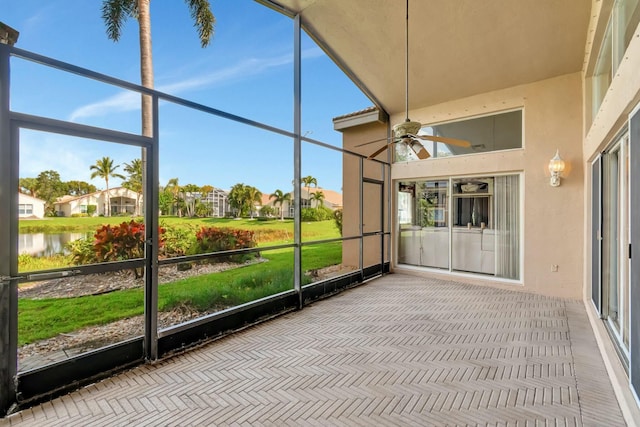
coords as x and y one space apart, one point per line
79 215
82 251
203 210
321 213
91 209
337 217
212 239
178 240
267 211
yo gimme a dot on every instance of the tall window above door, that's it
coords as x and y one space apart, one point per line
624 19
494 132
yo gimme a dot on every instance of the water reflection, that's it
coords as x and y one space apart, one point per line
47 244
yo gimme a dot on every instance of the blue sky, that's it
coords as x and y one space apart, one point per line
246 70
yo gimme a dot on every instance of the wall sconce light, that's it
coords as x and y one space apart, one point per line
556 166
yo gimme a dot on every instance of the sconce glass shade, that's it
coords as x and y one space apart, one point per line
556 167
556 164
415 146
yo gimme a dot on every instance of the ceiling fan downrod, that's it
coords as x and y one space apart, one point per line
401 130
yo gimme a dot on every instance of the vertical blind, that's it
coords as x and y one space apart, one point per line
507 217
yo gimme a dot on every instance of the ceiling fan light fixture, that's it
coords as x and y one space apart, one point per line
418 149
415 146
408 127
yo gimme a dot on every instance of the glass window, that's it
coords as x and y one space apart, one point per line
623 22
625 19
25 209
602 75
489 133
424 217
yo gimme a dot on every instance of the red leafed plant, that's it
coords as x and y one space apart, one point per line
121 242
212 239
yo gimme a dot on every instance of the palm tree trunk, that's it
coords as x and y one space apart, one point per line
146 77
107 199
146 66
136 211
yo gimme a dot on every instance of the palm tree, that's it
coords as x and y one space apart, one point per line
105 169
308 181
237 197
206 190
116 12
134 181
191 194
253 196
173 187
318 196
280 198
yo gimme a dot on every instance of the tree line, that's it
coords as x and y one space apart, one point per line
191 200
188 200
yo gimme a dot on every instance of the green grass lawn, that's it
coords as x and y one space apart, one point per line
310 230
41 319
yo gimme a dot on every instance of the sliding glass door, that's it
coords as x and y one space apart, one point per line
615 260
462 224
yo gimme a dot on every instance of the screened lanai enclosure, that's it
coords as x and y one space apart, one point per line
150 302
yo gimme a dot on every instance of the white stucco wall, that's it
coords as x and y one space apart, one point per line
553 218
38 206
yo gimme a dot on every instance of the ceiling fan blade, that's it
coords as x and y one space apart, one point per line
380 150
444 139
371 142
422 154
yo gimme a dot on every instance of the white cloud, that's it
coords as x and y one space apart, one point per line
129 101
35 157
70 157
124 101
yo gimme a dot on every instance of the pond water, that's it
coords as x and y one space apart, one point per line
47 244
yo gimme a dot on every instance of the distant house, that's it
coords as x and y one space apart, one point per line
30 207
216 200
332 200
122 201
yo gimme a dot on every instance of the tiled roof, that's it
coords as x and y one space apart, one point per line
68 198
356 113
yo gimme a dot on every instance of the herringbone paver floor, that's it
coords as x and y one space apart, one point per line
398 351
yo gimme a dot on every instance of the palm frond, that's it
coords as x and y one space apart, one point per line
114 15
203 19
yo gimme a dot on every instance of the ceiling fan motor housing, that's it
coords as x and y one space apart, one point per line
403 129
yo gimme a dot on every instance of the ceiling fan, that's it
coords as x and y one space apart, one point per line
407 131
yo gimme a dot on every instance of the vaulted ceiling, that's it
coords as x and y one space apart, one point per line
457 48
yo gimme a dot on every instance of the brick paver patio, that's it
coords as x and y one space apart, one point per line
398 351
